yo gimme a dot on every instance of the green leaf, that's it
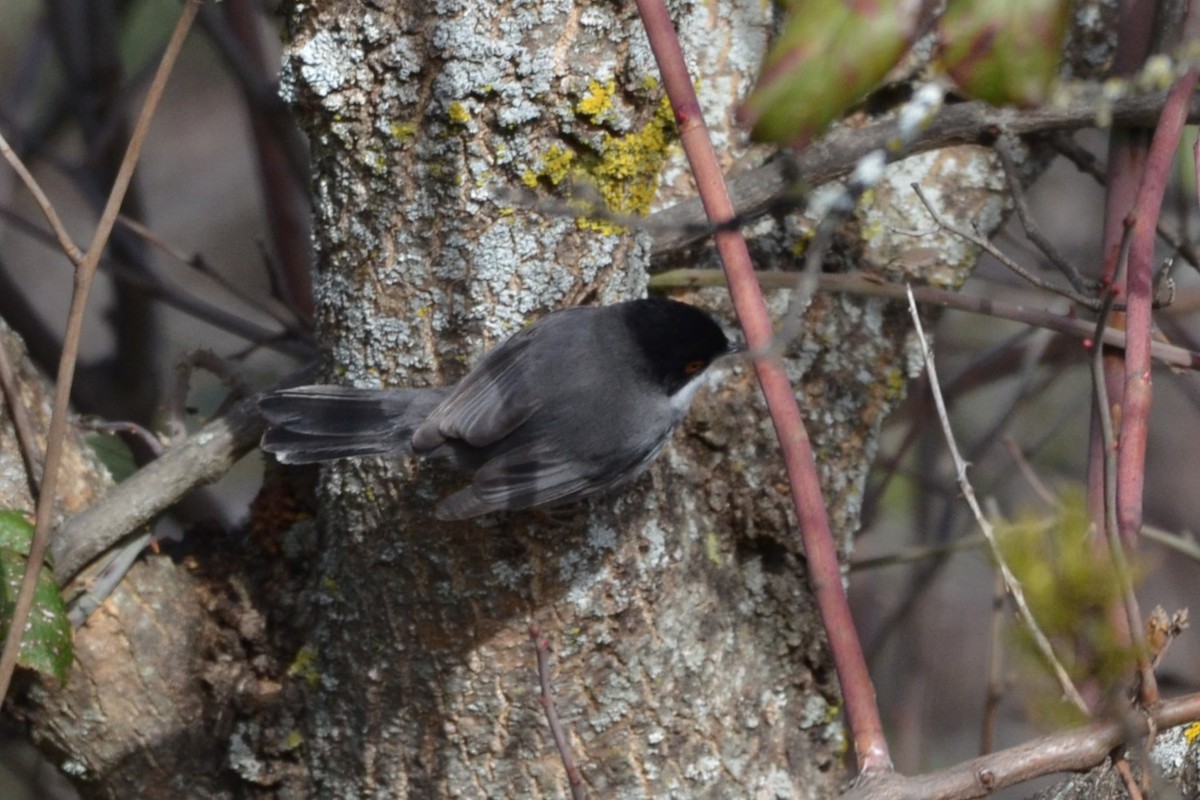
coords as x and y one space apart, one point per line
830 54
15 531
46 645
113 453
1006 52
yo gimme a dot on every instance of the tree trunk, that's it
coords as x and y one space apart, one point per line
688 660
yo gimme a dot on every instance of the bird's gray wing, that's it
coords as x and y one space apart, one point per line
494 398
535 474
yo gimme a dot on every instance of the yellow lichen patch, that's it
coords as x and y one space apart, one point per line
403 132
556 164
597 104
304 666
623 170
627 173
458 114
1192 732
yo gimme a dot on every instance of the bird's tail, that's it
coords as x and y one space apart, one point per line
307 424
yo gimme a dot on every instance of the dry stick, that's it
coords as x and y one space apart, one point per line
1184 545
107 579
1001 256
1074 750
824 569
1010 580
43 202
1121 765
872 285
205 456
26 438
142 433
84 275
574 779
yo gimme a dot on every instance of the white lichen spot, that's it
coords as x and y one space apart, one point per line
327 62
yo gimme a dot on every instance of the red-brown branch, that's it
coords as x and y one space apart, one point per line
821 554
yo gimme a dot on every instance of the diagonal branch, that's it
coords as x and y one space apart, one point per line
66 373
758 191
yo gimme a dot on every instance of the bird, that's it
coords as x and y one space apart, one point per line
574 405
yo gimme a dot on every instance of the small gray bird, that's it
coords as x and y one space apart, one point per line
576 404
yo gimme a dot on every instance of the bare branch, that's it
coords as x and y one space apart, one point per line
871 285
758 191
205 456
1073 750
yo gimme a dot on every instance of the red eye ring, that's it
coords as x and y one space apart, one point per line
692 367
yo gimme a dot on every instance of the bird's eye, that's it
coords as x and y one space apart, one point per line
692 367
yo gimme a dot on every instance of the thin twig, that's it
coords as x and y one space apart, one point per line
287 318
561 741
1089 165
985 526
1185 546
108 579
1112 533
1121 765
872 285
986 245
43 202
995 676
914 554
1039 487
143 434
215 314
66 373
212 363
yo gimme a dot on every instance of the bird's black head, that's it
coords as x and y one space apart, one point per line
679 341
